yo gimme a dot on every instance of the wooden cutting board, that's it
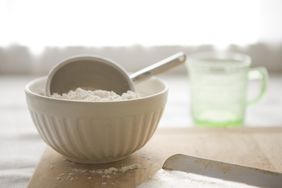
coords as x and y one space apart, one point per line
253 147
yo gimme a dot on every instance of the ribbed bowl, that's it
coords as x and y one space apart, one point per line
97 132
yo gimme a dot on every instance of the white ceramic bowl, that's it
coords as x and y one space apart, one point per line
97 132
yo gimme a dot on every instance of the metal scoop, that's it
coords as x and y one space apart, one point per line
90 72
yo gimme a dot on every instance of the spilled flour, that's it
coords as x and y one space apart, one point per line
95 95
172 179
107 176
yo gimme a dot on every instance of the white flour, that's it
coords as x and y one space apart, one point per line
171 179
107 175
95 95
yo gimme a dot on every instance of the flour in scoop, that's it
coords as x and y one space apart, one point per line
171 179
95 95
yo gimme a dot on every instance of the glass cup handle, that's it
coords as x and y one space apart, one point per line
259 73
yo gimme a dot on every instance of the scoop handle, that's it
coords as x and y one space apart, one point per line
159 67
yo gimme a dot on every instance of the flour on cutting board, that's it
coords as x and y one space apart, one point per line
105 174
95 95
171 179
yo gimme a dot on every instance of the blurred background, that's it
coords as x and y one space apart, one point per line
35 35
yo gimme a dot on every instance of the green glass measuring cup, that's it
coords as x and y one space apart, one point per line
219 85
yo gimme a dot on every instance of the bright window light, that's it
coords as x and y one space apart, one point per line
38 23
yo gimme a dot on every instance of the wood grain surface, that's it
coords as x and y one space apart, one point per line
253 147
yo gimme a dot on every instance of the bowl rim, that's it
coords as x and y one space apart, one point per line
28 91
